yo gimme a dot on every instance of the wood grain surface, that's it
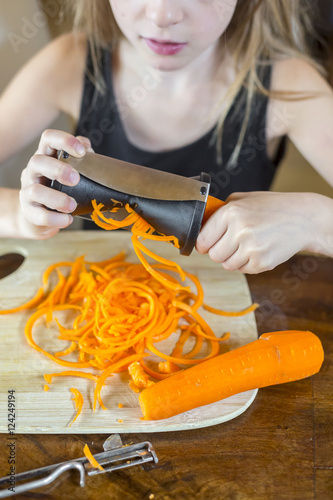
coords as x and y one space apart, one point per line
22 368
281 448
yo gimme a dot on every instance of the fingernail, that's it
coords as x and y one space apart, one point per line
74 177
80 149
72 205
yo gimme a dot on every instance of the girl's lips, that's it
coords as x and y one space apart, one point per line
164 48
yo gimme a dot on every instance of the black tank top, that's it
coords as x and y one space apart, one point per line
101 120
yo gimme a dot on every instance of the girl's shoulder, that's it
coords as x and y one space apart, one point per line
301 86
49 83
65 47
55 74
62 63
297 75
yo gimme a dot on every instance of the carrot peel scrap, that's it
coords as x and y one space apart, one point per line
78 399
91 459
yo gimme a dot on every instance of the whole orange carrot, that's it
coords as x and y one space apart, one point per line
274 358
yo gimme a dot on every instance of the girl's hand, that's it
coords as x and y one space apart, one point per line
254 232
35 220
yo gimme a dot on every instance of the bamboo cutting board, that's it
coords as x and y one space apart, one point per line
22 368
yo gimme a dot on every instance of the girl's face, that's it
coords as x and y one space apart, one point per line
169 34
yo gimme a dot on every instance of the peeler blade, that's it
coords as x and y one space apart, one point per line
137 180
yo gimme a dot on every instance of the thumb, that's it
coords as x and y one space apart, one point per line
85 141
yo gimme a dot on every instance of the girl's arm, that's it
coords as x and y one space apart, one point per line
308 122
9 213
255 232
50 83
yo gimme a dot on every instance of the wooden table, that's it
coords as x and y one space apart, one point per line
281 448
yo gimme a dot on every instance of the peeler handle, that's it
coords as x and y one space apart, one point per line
37 483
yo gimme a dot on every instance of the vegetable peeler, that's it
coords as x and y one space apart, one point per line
114 457
172 204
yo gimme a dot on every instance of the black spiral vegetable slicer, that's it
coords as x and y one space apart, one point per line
172 204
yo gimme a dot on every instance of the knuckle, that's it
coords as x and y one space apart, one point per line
22 197
36 216
234 211
23 177
233 196
64 204
257 265
35 162
267 265
41 218
63 173
247 234
214 255
229 266
201 242
205 241
27 193
32 161
46 135
32 191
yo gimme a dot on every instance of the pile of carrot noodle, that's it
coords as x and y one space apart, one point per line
140 229
116 313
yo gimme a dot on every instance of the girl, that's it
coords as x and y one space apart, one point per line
184 86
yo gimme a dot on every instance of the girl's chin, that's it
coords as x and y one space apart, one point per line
167 63
167 67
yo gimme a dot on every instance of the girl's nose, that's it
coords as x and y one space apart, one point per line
164 13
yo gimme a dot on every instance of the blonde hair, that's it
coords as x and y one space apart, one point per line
260 33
